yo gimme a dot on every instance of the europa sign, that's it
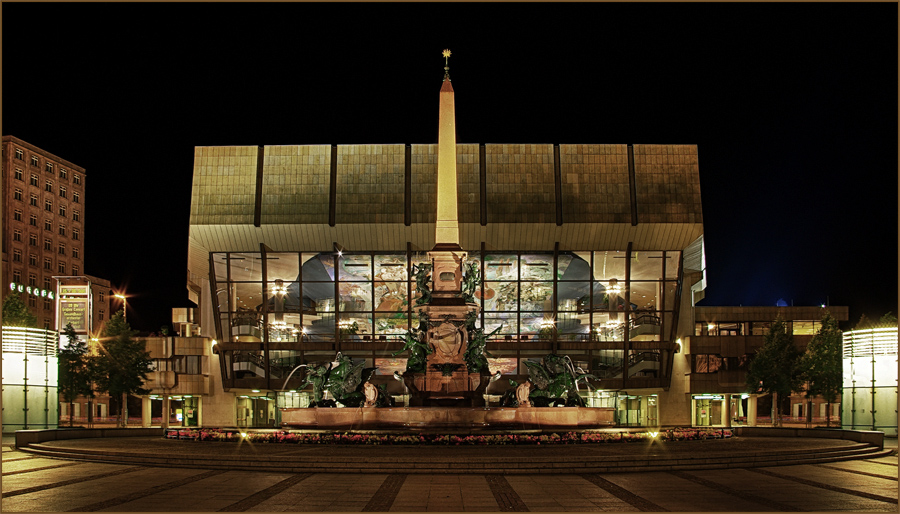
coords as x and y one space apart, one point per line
74 311
45 293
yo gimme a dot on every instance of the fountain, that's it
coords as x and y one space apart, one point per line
447 369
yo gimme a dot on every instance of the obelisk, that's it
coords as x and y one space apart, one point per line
447 255
446 373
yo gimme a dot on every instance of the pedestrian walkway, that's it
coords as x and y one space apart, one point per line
33 483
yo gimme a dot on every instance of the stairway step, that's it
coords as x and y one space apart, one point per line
523 465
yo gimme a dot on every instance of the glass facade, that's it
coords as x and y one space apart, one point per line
275 309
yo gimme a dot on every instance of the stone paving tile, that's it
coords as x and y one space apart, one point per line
795 495
14 483
540 492
322 492
77 495
860 466
208 495
824 479
678 494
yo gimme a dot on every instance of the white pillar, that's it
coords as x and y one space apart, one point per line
751 410
165 411
145 411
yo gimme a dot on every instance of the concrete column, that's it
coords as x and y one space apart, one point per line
165 411
726 412
145 411
751 410
199 412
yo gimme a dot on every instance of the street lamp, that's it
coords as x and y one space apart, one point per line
124 305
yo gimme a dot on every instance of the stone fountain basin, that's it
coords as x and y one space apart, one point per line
486 418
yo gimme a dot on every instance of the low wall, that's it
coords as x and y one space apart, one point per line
26 437
439 417
862 436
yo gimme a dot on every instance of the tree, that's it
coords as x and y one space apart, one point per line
774 369
124 362
75 370
16 313
822 365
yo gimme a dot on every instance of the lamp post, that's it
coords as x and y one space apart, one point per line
124 305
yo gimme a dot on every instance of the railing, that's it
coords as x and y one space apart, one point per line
111 420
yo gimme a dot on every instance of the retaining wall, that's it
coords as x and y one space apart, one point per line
862 436
25 437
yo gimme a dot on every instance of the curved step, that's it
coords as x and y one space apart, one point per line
434 462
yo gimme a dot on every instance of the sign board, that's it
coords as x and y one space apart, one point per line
73 290
74 311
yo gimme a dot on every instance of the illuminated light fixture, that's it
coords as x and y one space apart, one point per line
244 435
614 286
254 391
279 288
711 327
214 343
303 329
547 323
653 434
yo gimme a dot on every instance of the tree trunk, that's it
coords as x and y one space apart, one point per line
90 416
828 415
71 413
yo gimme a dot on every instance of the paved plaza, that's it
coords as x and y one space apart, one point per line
34 483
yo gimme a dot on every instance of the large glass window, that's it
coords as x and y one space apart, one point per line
584 296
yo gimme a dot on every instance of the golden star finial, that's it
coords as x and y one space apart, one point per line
446 54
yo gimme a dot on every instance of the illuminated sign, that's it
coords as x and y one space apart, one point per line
73 290
74 312
34 291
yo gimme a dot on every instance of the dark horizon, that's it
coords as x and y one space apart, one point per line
793 108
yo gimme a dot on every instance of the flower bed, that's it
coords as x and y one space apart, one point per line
218 435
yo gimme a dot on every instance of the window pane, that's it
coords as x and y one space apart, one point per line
284 266
537 267
571 295
574 266
646 265
500 267
395 323
318 267
536 296
247 296
608 265
645 295
804 328
390 268
500 296
356 296
355 326
391 296
495 319
246 267
355 267
531 322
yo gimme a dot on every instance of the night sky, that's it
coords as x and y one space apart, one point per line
793 108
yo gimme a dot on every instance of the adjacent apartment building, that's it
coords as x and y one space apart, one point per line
43 224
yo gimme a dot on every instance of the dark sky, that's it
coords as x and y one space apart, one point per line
793 107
